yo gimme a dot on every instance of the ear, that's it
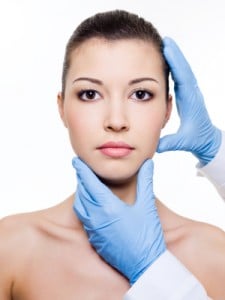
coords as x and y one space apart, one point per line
60 102
168 110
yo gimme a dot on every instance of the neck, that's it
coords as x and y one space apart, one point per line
125 190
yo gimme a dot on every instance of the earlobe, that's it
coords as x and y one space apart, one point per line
60 102
168 110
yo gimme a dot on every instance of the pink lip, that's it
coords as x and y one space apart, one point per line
115 149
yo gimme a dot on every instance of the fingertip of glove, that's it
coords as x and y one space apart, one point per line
77 162
162 146
170 48
74 161
147 165
167 40
159 150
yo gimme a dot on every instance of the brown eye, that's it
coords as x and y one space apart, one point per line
142 95
88 95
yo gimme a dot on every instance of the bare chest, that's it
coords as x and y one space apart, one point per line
68 271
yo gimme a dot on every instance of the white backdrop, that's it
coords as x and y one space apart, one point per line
35 160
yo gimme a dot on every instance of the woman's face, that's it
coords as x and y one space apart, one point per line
115 105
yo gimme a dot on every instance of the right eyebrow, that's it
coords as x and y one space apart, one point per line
138 80
92 80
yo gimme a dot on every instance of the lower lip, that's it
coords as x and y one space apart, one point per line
116 152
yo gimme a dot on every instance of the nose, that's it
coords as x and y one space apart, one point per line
116 118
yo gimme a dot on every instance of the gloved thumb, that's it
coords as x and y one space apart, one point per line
79 208
145 181
170 142
90 184
84 173
89 181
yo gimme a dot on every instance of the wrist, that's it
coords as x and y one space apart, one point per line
136 276
167 278
209 150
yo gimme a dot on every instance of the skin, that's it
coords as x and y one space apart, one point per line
46 254
114 114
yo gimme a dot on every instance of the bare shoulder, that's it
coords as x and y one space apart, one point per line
27 229
202 250
14 228
15 237
210 252
209 242
16 233
23 236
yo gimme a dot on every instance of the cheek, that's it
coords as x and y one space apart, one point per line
149 130
76 126
81 126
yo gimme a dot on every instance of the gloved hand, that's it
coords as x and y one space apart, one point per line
196 133
128 237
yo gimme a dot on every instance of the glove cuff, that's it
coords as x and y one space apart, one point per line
209 151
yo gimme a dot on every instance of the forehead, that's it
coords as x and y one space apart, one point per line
100 56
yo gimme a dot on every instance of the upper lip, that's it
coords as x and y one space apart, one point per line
112 144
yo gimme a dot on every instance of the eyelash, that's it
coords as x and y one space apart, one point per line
92 95
149 94
81 94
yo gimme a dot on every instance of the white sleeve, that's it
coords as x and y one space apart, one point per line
166 279
215 170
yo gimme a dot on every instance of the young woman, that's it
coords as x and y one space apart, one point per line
114 103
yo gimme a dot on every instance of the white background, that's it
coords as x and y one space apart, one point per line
35 154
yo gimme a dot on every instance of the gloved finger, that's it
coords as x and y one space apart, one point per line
180 68
91 215
79 208
99 193
170 142
145 183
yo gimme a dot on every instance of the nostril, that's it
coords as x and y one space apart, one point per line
117 128
116 118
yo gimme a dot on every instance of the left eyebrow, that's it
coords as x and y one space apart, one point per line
93 80
137 80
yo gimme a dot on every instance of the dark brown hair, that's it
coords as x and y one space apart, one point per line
114 25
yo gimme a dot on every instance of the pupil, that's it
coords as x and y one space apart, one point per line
90 94
140 94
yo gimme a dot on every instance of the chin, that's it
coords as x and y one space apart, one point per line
119 180
116 177
115 172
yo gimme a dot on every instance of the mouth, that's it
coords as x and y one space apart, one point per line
115 149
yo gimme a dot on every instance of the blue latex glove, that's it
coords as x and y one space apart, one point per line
128 237
196 133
